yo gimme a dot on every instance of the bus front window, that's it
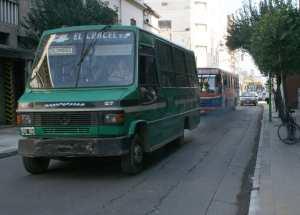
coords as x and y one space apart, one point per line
208 83
84 59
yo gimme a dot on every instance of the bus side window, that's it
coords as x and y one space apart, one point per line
180 69
225 81
147 68
165 62
193 80
147 75
219 83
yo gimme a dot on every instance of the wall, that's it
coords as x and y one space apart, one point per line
128 10
15 30
177 11
2 111
293 84
199 25
15 56
298 98
152 26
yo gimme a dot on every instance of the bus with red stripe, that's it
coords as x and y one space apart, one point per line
218 89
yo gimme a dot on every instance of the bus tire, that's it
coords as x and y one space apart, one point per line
132 163
36 165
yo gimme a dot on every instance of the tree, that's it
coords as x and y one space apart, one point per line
270 32
50 14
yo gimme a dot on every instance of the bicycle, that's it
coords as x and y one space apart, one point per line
289 131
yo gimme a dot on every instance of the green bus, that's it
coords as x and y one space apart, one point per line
100 91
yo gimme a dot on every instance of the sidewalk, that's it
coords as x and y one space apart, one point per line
276 187
8 141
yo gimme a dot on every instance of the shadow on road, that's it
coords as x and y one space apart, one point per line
83 168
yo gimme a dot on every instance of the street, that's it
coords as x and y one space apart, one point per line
207 175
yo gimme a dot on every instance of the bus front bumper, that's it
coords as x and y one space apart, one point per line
78 147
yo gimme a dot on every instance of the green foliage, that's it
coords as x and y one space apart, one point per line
270 32
50 14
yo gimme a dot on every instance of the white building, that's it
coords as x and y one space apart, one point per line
199 25
135 12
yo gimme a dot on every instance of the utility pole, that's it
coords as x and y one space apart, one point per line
270 97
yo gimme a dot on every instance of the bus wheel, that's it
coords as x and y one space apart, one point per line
36 165
132 163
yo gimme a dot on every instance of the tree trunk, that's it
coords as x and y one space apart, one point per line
277 94
284 95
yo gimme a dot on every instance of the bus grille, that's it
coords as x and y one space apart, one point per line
65 130
65 119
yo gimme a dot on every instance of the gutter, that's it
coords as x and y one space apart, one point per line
137 3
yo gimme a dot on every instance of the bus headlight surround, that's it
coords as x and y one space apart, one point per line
24 119
114 118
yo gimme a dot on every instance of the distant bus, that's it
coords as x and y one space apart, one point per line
218 89
99 91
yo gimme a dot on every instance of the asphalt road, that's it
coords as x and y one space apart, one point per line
204 176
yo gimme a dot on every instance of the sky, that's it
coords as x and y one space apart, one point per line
233 5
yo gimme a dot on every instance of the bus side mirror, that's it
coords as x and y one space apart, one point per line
148 95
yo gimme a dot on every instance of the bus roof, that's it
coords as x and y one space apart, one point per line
111 27
214 71
88 27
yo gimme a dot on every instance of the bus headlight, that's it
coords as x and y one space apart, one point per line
114 118
24 119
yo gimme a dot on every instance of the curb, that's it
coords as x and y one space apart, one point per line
8 152
254 199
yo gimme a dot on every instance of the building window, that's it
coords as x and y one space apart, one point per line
4 38
165 24
133 22
201 50
9 12
201 27
164 4
25 42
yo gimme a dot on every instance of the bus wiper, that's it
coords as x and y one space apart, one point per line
85 52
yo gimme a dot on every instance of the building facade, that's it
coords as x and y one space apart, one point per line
136 12
14 57
199 25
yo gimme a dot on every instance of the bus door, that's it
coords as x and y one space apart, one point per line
150 92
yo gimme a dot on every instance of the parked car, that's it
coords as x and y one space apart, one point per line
249 98
260 96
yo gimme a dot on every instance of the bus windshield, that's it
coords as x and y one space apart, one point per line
208 83
84 59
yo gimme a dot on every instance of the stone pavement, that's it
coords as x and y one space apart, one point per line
276 187
8 141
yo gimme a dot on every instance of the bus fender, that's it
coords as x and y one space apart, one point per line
135 126
140 127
